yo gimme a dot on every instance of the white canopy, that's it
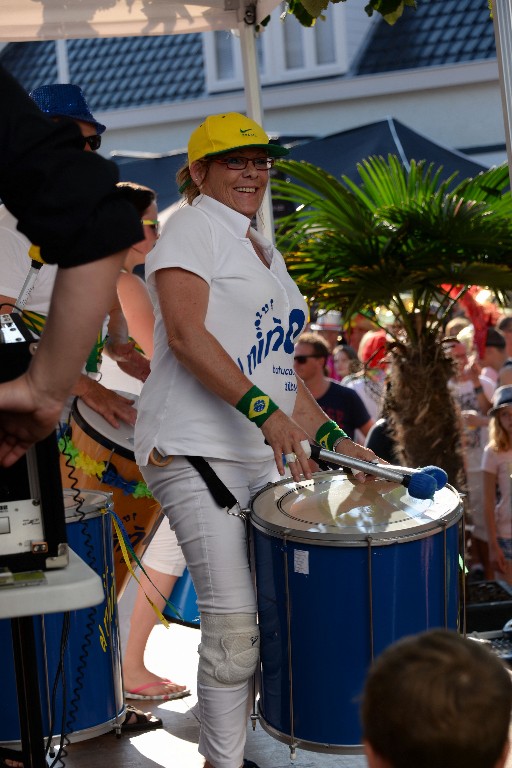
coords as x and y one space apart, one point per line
22 20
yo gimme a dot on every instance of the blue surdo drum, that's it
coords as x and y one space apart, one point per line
343 570
79 653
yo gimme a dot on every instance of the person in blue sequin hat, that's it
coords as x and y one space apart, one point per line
68 100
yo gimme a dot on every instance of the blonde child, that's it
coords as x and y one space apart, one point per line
497 468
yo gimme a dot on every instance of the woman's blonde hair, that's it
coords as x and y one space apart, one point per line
498 437
186 184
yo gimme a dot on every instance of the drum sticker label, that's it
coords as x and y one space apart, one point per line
301 561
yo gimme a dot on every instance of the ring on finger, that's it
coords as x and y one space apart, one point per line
290 457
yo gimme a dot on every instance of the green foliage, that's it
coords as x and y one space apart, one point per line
308 11
390 10
359 246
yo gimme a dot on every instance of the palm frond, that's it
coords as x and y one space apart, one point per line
397 231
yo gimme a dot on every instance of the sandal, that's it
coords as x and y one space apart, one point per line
170 696
136 720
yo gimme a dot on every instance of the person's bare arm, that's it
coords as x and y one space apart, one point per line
31 404
496 555
310 416
137 309
120 348
183 299
108 403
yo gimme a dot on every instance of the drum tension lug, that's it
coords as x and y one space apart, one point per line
293 751
254 720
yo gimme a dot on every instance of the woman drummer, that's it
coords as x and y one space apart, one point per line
222 386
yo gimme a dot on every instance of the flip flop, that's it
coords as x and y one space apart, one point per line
171 696
140 721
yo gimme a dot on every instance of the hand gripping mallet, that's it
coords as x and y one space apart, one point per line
420 483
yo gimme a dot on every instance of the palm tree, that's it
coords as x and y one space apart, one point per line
394 240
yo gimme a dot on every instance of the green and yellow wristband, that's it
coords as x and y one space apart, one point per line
329 435
256 405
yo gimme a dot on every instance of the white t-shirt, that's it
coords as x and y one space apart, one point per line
15 266
255 313
500 464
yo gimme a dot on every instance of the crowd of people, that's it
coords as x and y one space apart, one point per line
480 389
234 380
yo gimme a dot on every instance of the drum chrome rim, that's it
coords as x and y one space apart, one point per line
287 510
310 746
95 503
102 440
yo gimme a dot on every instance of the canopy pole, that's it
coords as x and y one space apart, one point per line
61 53
502 17
265 218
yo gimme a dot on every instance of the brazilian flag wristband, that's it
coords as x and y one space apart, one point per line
256 405
329 434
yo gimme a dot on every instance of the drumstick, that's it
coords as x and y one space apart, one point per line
33 273
420 484
437 473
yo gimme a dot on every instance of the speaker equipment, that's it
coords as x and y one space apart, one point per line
32 520
499 641
488 605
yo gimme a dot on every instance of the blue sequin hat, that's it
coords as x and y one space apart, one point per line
65 100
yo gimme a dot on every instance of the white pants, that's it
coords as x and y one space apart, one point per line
215 547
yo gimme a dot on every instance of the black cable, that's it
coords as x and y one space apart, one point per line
89 556
69 718
60 674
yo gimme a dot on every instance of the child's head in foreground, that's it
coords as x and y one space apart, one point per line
437 700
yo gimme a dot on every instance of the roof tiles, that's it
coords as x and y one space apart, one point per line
438 32
117 73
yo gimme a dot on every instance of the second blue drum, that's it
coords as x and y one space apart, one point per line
79 653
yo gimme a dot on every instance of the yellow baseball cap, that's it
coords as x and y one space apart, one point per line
222 133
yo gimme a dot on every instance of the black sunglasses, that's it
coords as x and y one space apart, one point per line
301 359
93 141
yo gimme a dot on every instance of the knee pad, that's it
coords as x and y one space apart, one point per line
229 649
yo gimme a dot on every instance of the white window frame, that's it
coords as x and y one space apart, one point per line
274 70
